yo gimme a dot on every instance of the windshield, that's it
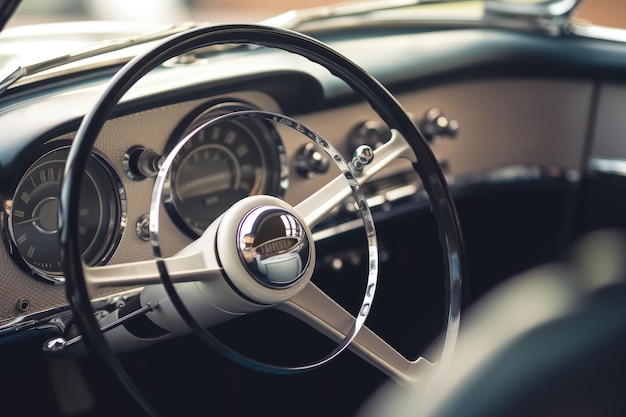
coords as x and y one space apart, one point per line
156 10
216 11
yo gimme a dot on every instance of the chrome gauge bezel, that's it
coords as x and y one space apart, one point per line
111 221
266 140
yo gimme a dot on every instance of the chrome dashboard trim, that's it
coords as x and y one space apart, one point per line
414 193
543 9
604 33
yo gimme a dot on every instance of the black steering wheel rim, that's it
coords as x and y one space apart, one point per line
381 100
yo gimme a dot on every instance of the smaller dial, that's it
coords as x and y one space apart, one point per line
34 214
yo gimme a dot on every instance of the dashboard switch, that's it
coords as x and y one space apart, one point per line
140 163
143 227
23 305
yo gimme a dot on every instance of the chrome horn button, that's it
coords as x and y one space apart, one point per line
266 249
273 246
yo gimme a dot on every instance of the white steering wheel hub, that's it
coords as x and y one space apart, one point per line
264 238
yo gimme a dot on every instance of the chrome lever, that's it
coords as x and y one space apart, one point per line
58 345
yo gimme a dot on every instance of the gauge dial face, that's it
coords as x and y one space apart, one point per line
34 214
221 164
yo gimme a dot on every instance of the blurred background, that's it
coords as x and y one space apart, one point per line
602 12
216 11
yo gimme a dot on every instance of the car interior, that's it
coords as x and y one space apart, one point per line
374 208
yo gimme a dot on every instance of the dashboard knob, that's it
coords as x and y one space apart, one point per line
363 155
310 161
435 125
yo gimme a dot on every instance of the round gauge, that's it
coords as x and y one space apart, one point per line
221 164
33 223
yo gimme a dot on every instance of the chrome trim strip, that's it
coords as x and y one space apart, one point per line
9 76
401 194
608 166
337 230
293 19
550 9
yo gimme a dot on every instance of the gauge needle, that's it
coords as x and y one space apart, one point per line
34 219
83 212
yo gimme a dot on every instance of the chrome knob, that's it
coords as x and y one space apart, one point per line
55 345
363 155
273 245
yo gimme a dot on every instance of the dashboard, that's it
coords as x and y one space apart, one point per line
119 187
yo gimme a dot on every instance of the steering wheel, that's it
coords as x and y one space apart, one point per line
218 257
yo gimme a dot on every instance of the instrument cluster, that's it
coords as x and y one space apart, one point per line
219 164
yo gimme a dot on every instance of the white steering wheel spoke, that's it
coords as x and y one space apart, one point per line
315 308
196 262
323 201
181 269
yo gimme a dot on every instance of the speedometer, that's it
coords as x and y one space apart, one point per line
221 164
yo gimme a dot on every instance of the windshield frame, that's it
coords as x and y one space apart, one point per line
7 10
